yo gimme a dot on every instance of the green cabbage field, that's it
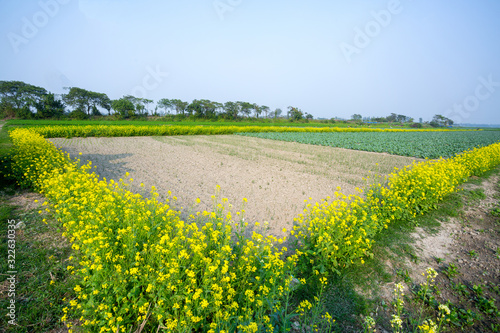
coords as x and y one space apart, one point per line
415 144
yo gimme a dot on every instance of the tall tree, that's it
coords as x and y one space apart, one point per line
165 104
232 109
208 107
392 118
195 108
295 113
265 109
440 120
86 100
124 107
49 107
356 117
245 108
277 113
179 105
20 94
257 110
219 108
140 104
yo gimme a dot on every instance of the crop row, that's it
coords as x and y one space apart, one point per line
169 130
138 262
415 144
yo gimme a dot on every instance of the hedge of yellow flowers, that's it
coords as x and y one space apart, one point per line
169 130
140 265
337 233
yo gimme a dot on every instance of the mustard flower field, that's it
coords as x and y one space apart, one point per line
141 267
58 131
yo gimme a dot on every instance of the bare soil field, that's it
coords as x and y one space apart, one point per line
275 177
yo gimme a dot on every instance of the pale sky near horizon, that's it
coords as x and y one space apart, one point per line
328 58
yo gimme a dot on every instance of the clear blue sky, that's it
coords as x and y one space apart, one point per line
328 58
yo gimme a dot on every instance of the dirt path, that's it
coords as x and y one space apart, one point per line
276 177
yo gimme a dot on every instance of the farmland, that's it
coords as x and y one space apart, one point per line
173 130
143 258
421 145
275 177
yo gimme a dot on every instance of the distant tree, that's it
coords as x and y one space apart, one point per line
78 114
7 109
265 109
124 107
208 108
219 108
180 106
245 108
140 104
195 108
21 94
309 116
231 109
420 120
440 120
49 107
403 119
20 98
294 113
86 100
392 118
356 117
380 119
257 110
277 113
165 104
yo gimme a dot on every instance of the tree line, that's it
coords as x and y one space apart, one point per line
26 101
437 121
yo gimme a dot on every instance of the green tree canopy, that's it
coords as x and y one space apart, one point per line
50 107
140 104
295 113
21 95
440 120
231 109
245 108
86 100
165 104
180 106
124 107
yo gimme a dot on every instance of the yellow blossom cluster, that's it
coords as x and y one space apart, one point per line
168 130
136 261
337 233
138 264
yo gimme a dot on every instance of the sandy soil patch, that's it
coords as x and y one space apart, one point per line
470 242
276 177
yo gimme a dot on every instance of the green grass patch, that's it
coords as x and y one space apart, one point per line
42 281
